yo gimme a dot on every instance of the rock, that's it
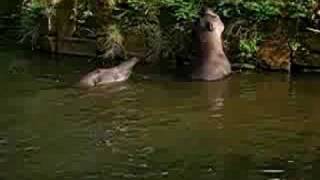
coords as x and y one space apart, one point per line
243 66
307 55
311 41
307 59
275 54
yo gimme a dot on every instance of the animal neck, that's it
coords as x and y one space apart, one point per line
128 65
218 43
211 47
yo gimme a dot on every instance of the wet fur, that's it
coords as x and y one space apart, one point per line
212 63
106 76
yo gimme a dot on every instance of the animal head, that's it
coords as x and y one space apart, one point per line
128 65
124 69
210 21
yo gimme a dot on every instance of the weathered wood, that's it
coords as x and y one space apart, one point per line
69 45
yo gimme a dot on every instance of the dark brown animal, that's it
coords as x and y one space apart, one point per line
212 63
109 75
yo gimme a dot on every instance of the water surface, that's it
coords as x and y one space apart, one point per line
251 126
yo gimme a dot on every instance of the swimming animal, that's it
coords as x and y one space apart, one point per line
104 76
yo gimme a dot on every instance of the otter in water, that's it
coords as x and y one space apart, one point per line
212 63
105 76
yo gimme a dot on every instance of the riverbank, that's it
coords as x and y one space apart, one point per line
268 35
255 39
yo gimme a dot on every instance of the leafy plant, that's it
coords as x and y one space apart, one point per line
300 9
248 46
29 22
186 10
112 41
260 10
263 10
166 24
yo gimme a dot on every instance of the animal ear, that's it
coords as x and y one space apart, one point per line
210 26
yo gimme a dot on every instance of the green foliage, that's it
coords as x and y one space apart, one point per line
260 10
30 15
294 45
248 47
300 9
166 24
115 35
264 10
255 13
33 11
186 10
250 9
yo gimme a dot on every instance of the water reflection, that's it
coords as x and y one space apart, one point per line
216 92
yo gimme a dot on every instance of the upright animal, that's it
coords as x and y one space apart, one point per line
212 63
104 76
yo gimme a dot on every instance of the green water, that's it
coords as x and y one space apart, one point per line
252 126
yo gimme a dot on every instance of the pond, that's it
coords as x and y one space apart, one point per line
250 126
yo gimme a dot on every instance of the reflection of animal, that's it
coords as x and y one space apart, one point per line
105 76
212 63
